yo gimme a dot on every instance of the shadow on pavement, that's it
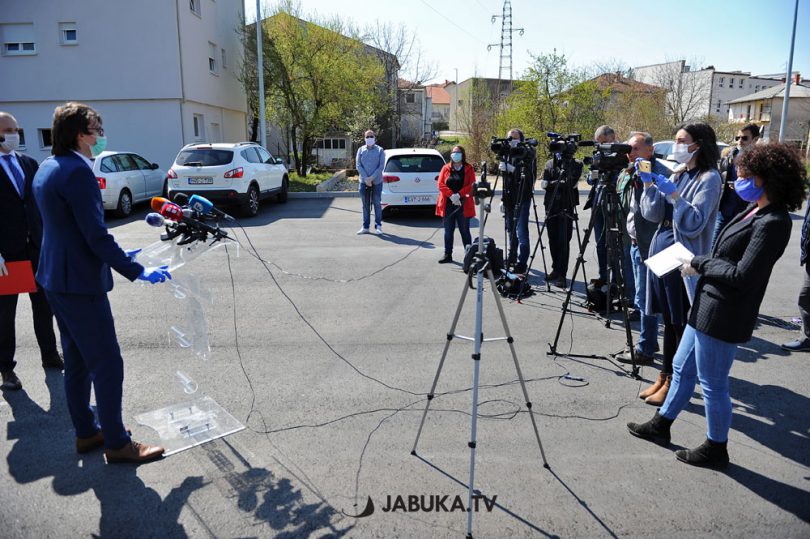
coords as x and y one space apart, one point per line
45 447
757 349
788 498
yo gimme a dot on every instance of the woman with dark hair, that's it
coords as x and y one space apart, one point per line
455 204
731 286
685 208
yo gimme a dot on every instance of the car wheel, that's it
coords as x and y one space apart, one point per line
285 189
251 206
124 208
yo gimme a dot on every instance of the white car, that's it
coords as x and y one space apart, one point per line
663 149
126 178
229 173
411 177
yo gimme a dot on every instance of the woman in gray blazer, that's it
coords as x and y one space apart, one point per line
685 208
731 285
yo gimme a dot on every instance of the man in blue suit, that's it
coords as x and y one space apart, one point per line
20 240
74 269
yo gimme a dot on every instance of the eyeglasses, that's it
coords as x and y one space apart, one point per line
99 130
743 138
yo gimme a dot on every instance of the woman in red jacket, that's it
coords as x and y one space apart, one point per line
455 203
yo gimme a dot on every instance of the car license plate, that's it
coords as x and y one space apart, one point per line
200 181
418 199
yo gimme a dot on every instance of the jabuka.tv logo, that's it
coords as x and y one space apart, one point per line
427 503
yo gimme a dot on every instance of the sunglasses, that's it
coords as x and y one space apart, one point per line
743 138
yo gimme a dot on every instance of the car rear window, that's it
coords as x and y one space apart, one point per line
414 163
205 158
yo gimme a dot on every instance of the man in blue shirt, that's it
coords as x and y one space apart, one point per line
370 161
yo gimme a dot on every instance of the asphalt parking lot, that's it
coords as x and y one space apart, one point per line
324 345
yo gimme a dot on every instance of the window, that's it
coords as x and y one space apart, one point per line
342 143
409 97
414 163
142 163
731 82
741 83
224 62
327 144
124 162
22 139
195 7
718 105
265 156
204 157
461 101
748 113
722 79
199 127
213 65
107 165
251 156
67 33
44 138
18 39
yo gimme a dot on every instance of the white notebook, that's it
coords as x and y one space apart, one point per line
669 259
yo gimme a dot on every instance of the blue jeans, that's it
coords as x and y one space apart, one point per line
709 360
522 230
648 340
454 216
601 242
376 193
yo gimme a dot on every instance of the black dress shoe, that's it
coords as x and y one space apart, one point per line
446 258
53 361
655 430
709 454
10 381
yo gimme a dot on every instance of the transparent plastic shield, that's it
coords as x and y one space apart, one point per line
191 330
169 253
186 425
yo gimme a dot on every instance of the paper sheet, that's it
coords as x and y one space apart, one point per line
669 259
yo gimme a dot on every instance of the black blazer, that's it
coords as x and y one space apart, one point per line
734 277
20 217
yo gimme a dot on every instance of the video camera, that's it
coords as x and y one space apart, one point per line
566 145
502 147
611 157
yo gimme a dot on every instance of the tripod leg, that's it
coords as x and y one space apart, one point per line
479 316
450 335
511 342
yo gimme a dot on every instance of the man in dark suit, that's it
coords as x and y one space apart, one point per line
74 270
802 344
21 240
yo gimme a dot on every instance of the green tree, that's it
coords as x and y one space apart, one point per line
316 79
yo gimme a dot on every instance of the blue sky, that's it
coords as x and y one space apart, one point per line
745 35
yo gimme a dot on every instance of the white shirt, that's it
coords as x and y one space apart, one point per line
16 164
84 158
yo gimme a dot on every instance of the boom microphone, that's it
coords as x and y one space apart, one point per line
205 207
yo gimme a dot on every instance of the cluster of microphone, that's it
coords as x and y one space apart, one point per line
192 219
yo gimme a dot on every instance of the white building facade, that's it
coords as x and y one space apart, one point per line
162 73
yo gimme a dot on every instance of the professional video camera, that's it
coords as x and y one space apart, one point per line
566 145
502 147
610 158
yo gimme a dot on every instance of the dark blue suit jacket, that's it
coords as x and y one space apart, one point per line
22 226
77 250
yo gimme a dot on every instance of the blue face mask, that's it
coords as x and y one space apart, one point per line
747 189
456 157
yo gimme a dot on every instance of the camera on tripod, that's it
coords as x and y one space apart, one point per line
503 148
566 145
610 158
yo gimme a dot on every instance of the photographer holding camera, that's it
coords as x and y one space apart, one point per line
560 177
518 165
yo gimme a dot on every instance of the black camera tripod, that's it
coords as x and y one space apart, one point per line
607 202
481 267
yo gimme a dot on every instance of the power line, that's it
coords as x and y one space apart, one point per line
451 21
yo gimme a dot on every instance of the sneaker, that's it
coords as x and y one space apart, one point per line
446 258
641 358
799 345
378 230
10 381
362 231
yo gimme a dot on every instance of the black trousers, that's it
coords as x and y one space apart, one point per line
560 228
804 302
43 324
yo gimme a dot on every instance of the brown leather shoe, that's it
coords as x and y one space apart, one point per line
10 381
658 398
53 361
134 452
653 388
85 445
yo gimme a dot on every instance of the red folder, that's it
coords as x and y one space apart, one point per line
20 279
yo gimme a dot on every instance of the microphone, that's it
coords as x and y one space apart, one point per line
158 202
181 199
171 211
155 219
205 207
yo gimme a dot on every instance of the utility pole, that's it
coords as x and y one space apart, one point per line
787 76
505 62
259 53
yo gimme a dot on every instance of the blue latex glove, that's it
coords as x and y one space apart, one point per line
155 275
664 185
132 253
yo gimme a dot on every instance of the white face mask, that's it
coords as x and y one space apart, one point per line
12 142
513 142
681 153
370 141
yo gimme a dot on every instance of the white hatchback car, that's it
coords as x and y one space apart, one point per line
411 177
126 178
229 173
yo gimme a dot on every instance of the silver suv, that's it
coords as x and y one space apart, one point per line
240 173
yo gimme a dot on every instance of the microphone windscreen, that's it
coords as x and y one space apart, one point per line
155 219
181 199
171 211
200 204
158 202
